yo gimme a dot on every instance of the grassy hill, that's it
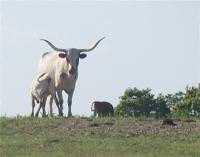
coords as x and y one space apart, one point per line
98 137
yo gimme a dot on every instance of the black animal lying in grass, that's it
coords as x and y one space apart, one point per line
168 122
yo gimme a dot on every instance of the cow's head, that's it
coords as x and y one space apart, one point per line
72 55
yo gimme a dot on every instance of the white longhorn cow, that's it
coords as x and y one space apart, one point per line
62 67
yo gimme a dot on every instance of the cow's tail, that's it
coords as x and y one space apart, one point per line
43 77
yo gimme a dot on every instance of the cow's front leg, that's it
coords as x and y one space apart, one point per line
60 100
50 101
70 105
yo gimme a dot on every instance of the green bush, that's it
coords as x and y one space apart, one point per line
137 103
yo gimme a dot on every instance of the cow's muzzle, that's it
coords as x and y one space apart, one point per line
72 71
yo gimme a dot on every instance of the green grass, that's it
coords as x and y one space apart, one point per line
104 137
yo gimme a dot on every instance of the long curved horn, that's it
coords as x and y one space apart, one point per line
93 47
53 47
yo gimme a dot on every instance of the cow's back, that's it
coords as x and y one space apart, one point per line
108 107
49 62
104 107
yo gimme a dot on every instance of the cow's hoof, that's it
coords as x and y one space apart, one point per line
44 115
69 115
36 115
60 113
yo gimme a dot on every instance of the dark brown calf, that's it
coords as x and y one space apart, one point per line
102 108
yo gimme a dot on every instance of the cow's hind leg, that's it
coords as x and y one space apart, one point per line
37 113
58 106
33 106
43 108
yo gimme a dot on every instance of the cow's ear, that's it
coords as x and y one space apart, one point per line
62 55
82 55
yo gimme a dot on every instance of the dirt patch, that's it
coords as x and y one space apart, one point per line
94 125
122 127
101 124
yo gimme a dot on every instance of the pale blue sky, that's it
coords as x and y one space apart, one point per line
148 44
